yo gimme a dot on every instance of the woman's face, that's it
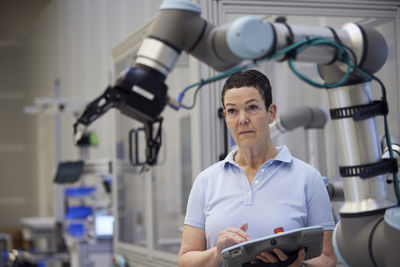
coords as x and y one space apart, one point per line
246 116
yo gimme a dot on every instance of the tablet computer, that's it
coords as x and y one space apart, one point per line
309 238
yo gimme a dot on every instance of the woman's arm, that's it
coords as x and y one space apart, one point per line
194 252
328 257
193 249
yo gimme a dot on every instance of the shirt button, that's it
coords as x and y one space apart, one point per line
262 170
256 181
249 192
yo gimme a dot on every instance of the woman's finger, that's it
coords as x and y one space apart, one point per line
302 254
300 258
238 232
227 239
244 227
281 255
267 257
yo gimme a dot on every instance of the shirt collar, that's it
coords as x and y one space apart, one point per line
283 156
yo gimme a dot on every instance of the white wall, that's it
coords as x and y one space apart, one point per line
16 145
71 41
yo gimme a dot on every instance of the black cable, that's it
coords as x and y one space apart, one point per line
371 235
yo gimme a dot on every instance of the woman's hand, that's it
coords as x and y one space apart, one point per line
281 256
232 236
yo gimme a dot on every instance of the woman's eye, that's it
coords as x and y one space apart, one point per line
253 107
231 111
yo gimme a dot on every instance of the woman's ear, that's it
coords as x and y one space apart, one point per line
272 113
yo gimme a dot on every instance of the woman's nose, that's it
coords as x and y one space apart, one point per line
243 119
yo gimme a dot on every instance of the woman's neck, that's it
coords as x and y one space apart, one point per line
254 157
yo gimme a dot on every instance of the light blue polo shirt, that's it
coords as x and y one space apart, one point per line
286 192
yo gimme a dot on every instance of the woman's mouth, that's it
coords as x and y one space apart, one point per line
245 132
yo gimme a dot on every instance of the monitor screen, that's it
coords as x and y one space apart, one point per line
104 225
69 172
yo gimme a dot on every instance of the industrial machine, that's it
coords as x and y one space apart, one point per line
347 58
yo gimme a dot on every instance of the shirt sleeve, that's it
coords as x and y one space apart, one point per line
195 206
319 210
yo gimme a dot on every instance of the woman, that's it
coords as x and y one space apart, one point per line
256 189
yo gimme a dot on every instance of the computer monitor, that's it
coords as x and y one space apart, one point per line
104 225
69 172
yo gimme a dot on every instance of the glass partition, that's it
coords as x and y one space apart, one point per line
172 177
131 193
151 201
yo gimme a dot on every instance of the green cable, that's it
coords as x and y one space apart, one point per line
218 77
299 47
340 50
240 68
209 80
243 67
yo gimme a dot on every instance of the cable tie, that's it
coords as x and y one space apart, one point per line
370 170
360 112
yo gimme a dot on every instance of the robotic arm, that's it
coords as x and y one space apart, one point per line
140 91
369 232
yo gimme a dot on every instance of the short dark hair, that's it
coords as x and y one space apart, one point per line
249 78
